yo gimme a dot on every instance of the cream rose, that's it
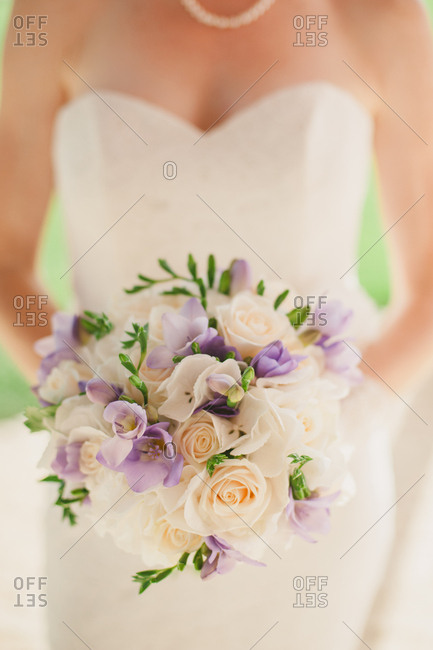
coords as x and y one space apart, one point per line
249 322
173 541
235 497
201 437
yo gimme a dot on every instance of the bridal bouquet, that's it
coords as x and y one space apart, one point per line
197 421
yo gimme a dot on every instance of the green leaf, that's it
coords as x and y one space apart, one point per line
309 337
192 266
146 279
135 289
201 287
297 479
281 298
224 283
35 416
198 559
298 315
165 266
126 362
125 398
260 288
53 478
247 377
139 383
213 461
98 325
178 291
217 459
211 270
182 561
79 495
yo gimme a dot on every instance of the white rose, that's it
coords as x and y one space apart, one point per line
249 322
235 497
78 411
63 381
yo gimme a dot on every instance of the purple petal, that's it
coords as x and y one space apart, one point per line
115 450
241 277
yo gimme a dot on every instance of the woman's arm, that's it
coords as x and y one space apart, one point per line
31 97
402 65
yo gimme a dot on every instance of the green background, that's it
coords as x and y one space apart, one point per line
14 391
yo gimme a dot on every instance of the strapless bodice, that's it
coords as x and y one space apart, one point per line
280 182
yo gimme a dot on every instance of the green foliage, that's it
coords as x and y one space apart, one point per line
281 298
217 459
35 416
78 496
99 325
152 576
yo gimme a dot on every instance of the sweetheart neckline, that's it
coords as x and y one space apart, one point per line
221 122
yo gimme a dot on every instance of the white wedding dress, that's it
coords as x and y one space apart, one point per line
281 183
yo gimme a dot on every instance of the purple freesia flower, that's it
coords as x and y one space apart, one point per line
152 460
311 515
55 348
332 318
241 277
218 406
67 462
274 360
340 358
129 422
100 392
223 558
181 330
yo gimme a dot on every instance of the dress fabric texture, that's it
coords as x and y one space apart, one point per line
280 182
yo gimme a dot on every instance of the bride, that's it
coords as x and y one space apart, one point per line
166 130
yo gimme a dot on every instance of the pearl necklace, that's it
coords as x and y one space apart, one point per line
194 8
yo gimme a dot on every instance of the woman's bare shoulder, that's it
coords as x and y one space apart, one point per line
390 41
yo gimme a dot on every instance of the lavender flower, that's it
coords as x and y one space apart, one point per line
274 360
55 348
129 423
223 558
180 331
332 319
100 392
150 460
67 462
310 515
241 277
341 359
